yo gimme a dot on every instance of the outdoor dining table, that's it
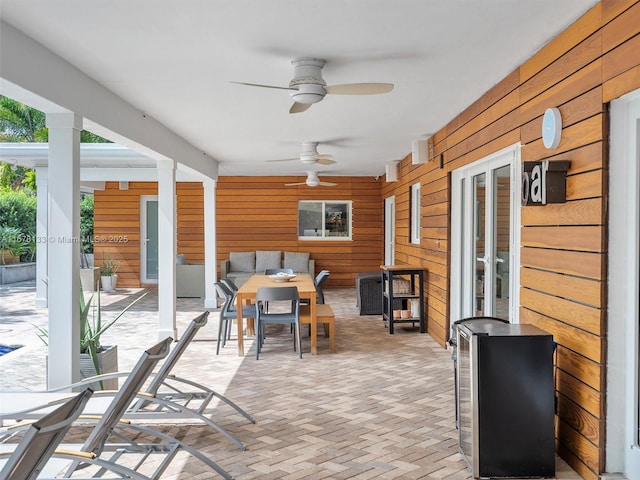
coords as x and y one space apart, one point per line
247 293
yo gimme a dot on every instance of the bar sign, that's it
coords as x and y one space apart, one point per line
544 182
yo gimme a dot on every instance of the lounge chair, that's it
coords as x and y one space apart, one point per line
40 440
108 425
35 456
166 396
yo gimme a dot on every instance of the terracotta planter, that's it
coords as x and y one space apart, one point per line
7 258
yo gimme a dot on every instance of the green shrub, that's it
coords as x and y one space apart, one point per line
86 223
18 210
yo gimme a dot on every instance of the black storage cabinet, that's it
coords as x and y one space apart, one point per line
505 399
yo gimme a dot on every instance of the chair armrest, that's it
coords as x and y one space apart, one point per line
224 268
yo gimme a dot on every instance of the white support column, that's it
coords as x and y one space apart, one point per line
64 249
210 271
167 248
42 233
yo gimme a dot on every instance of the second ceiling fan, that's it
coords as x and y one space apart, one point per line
308 87
312 181
309 156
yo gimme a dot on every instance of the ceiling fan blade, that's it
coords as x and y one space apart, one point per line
326 161
294 184
283 160
327 184
359 88
262 86
299 107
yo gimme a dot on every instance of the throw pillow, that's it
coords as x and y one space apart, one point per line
181 259
267 259
298 261
242 261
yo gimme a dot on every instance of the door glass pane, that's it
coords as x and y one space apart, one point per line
479 212
502 196
152 240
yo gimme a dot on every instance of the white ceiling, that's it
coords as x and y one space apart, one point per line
176 61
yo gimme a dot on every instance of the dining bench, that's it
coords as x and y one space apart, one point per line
325 316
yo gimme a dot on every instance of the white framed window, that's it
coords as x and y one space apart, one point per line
324 220
415 213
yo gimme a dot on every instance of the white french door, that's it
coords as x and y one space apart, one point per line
389 230
623 320
484 234
149 239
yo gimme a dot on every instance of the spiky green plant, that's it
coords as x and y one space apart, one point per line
91 326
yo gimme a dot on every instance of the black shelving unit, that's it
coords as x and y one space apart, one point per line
392 300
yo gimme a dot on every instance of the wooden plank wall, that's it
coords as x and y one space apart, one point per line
563 246
258 213
117 225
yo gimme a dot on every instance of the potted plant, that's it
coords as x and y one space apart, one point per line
108 275
95 358
11 244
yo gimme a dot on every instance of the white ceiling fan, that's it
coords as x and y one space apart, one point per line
308 86
312 181
309 156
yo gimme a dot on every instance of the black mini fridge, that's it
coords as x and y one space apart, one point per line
505 400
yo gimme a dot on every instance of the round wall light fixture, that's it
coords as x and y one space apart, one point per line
551 128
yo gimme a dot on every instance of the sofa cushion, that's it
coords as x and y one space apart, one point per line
242 261
298 261
267 259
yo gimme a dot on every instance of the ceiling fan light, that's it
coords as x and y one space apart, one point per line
312 179
309 159
313 182
308 93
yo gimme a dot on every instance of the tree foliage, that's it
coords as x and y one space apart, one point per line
18 209
86 223
20 123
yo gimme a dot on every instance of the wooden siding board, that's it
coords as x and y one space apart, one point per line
623 83
578 289
621 59
580 420
580 316
587 51
577 238
575 136
587 452
580 212
581 264
586 370
570 90
580 341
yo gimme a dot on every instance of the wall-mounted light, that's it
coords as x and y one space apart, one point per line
392 171
123 185
551 128
419 153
